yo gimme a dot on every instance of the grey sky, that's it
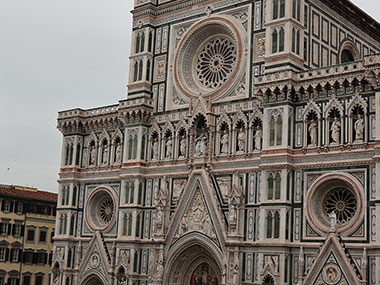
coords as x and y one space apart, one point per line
57 55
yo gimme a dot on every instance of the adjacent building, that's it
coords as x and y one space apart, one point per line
27 221
246 152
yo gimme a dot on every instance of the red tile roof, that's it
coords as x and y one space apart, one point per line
27 193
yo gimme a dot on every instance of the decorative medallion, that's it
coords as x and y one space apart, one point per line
95 261
331 274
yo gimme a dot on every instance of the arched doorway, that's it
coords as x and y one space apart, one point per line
92 280
192 266
268 280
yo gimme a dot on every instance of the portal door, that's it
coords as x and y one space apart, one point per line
92 280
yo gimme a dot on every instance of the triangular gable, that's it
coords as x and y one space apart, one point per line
201 107
96 260
332 264
197 208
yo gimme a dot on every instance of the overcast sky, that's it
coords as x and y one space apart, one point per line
57 55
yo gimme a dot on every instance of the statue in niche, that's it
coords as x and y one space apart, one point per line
258 139
105 154
92 155
313 133
335 131
359 128
332 217
224 142
169 147
182 147
118 153
241 140
201 145
160 270
155 149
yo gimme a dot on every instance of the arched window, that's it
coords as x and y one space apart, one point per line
130 146
140 69
132 193
77 159
140 193
130 217
282 8
135 261
72 224
287 225
269 224
67 196
74 199
138 218
279 131
298 42
286 269
270 186
138 42
64 224
142 41
293 39
61 218
125 220
67 154
268 280
294 9
274 41
272 131
127 186
282 40
68 261
148 70
134 156
347 56
71 154
278 186
63 194
150 41
275 9
143 147
288 185
298 10
68 278
135 71
276 225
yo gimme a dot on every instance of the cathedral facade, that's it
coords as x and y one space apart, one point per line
247 151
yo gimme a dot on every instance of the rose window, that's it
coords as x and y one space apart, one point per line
100 209
105 210
343 202
216 62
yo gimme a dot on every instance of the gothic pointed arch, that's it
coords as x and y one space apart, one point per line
197 201
96 262
333 264
155 128
269 275
104 136
181 125
311 106
240 116
334 103
93 138
357 100
117 134
224 119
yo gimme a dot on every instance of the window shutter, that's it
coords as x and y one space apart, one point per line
2 205
45 258
10 258
11 207
34 257
17 281
13 229
15 208
19 255
9 229
22 230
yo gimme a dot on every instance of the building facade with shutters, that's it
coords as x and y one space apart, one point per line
27 220
246 152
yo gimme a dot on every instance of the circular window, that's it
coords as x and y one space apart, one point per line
209 58
216 62
343 202
100 209
339 193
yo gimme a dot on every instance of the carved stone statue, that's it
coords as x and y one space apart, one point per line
332 217
118 153
169 147
359 129
155 149
335 131
224 142
105 154
313 133
200 145
258 139
241 140
92 155
182 147
160 270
